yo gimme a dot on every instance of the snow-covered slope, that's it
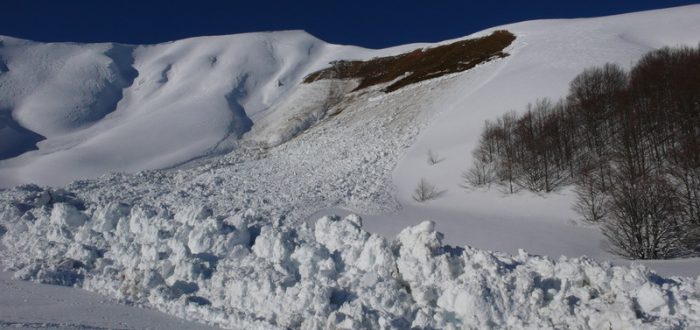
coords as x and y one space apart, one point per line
225 239
112 107
545 57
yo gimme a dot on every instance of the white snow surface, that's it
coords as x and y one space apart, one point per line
240 271
112 107
231 239
29 305
545 57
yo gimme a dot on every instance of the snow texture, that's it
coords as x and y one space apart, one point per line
240 271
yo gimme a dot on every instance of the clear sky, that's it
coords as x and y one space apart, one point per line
372 24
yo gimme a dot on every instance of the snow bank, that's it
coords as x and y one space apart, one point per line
246 271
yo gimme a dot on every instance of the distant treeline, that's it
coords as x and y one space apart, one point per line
628 141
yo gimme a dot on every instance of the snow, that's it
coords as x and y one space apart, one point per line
242 239
28 305
244 270
545 57
113 107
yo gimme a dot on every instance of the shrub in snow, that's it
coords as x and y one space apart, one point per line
433 157
481 174
239 271
426 191
590 204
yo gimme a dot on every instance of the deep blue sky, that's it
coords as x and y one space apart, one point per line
371 24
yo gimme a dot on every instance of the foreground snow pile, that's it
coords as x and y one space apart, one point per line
245 271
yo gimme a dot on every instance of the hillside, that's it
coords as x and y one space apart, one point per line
237 148
96 108
545 57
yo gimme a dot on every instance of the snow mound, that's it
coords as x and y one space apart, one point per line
246 271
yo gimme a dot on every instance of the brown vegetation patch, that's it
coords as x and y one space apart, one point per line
420 64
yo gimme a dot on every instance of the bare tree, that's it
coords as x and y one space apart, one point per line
426 191
483 170
643 221
591 202
479 175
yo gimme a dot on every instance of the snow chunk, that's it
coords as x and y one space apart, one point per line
652 299
67 215
272 245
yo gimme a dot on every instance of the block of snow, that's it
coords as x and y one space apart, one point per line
67 215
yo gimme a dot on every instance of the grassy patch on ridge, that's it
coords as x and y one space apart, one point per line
420 64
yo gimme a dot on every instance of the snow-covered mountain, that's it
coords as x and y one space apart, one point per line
96 108
252 156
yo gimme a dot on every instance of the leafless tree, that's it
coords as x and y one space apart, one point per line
591 203
479 175
643 221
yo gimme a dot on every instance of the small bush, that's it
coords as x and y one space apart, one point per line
426 191
479 175
434 158
590 204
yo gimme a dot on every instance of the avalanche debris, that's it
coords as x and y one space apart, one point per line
245 271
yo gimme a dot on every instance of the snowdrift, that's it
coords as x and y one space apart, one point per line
244 271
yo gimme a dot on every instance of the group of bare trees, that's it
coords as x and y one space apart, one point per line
533 151
628 141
